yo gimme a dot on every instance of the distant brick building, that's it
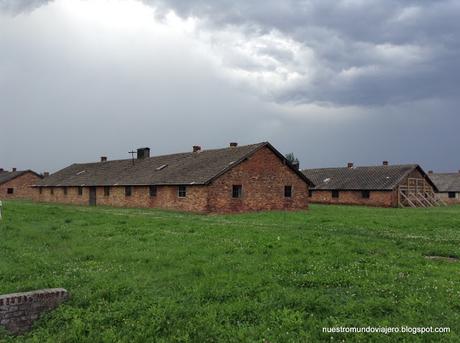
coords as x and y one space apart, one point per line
234 179
448 185
17 184
383 186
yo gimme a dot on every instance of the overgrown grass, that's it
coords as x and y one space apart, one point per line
148 275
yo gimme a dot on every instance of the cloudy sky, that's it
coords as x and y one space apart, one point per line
330 80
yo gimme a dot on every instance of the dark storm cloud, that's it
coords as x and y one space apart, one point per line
19 6
364 52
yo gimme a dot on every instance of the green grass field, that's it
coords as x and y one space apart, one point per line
147 275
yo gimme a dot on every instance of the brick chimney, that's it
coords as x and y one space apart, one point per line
196 148
1 169
103 158
46 174
296 165
143 153
430 172
233 144
350 165
385 163
14 169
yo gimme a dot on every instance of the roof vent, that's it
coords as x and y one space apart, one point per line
103 158
385 163
350 165
196 148
143 153
233 144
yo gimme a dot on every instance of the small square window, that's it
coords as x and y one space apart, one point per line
335 194
237 191
365 194
452 195
10 191
80 190
64 190
287 191
182 191
51 190
310 193
106 191
128 191
153 191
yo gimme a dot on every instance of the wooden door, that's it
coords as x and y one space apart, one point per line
92 196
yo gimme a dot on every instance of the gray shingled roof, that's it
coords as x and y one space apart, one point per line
384 178
176 169
446 182
6 176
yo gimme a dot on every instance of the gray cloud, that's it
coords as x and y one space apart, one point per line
361 52
20 6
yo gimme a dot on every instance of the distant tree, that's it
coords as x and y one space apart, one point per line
291 158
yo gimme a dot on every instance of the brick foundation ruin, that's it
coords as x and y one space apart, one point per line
18 311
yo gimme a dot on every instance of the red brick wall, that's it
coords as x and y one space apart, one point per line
377 198
450 201
195 201
263 177
21 187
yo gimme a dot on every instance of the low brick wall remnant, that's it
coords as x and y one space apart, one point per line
18 311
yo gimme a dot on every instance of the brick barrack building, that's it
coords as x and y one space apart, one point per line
17 184
384 186
448 185
233 179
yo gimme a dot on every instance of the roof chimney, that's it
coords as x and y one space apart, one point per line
46 174
1 169
430 172
350 165
296 165
143 153
233 144
14 169
196 148
385 163
103 158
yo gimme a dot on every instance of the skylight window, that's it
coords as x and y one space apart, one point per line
163 166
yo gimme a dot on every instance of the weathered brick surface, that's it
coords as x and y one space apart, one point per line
21 186
450 201
377 198
195 201
18 311
263 177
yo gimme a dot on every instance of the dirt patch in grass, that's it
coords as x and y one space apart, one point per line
450 259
